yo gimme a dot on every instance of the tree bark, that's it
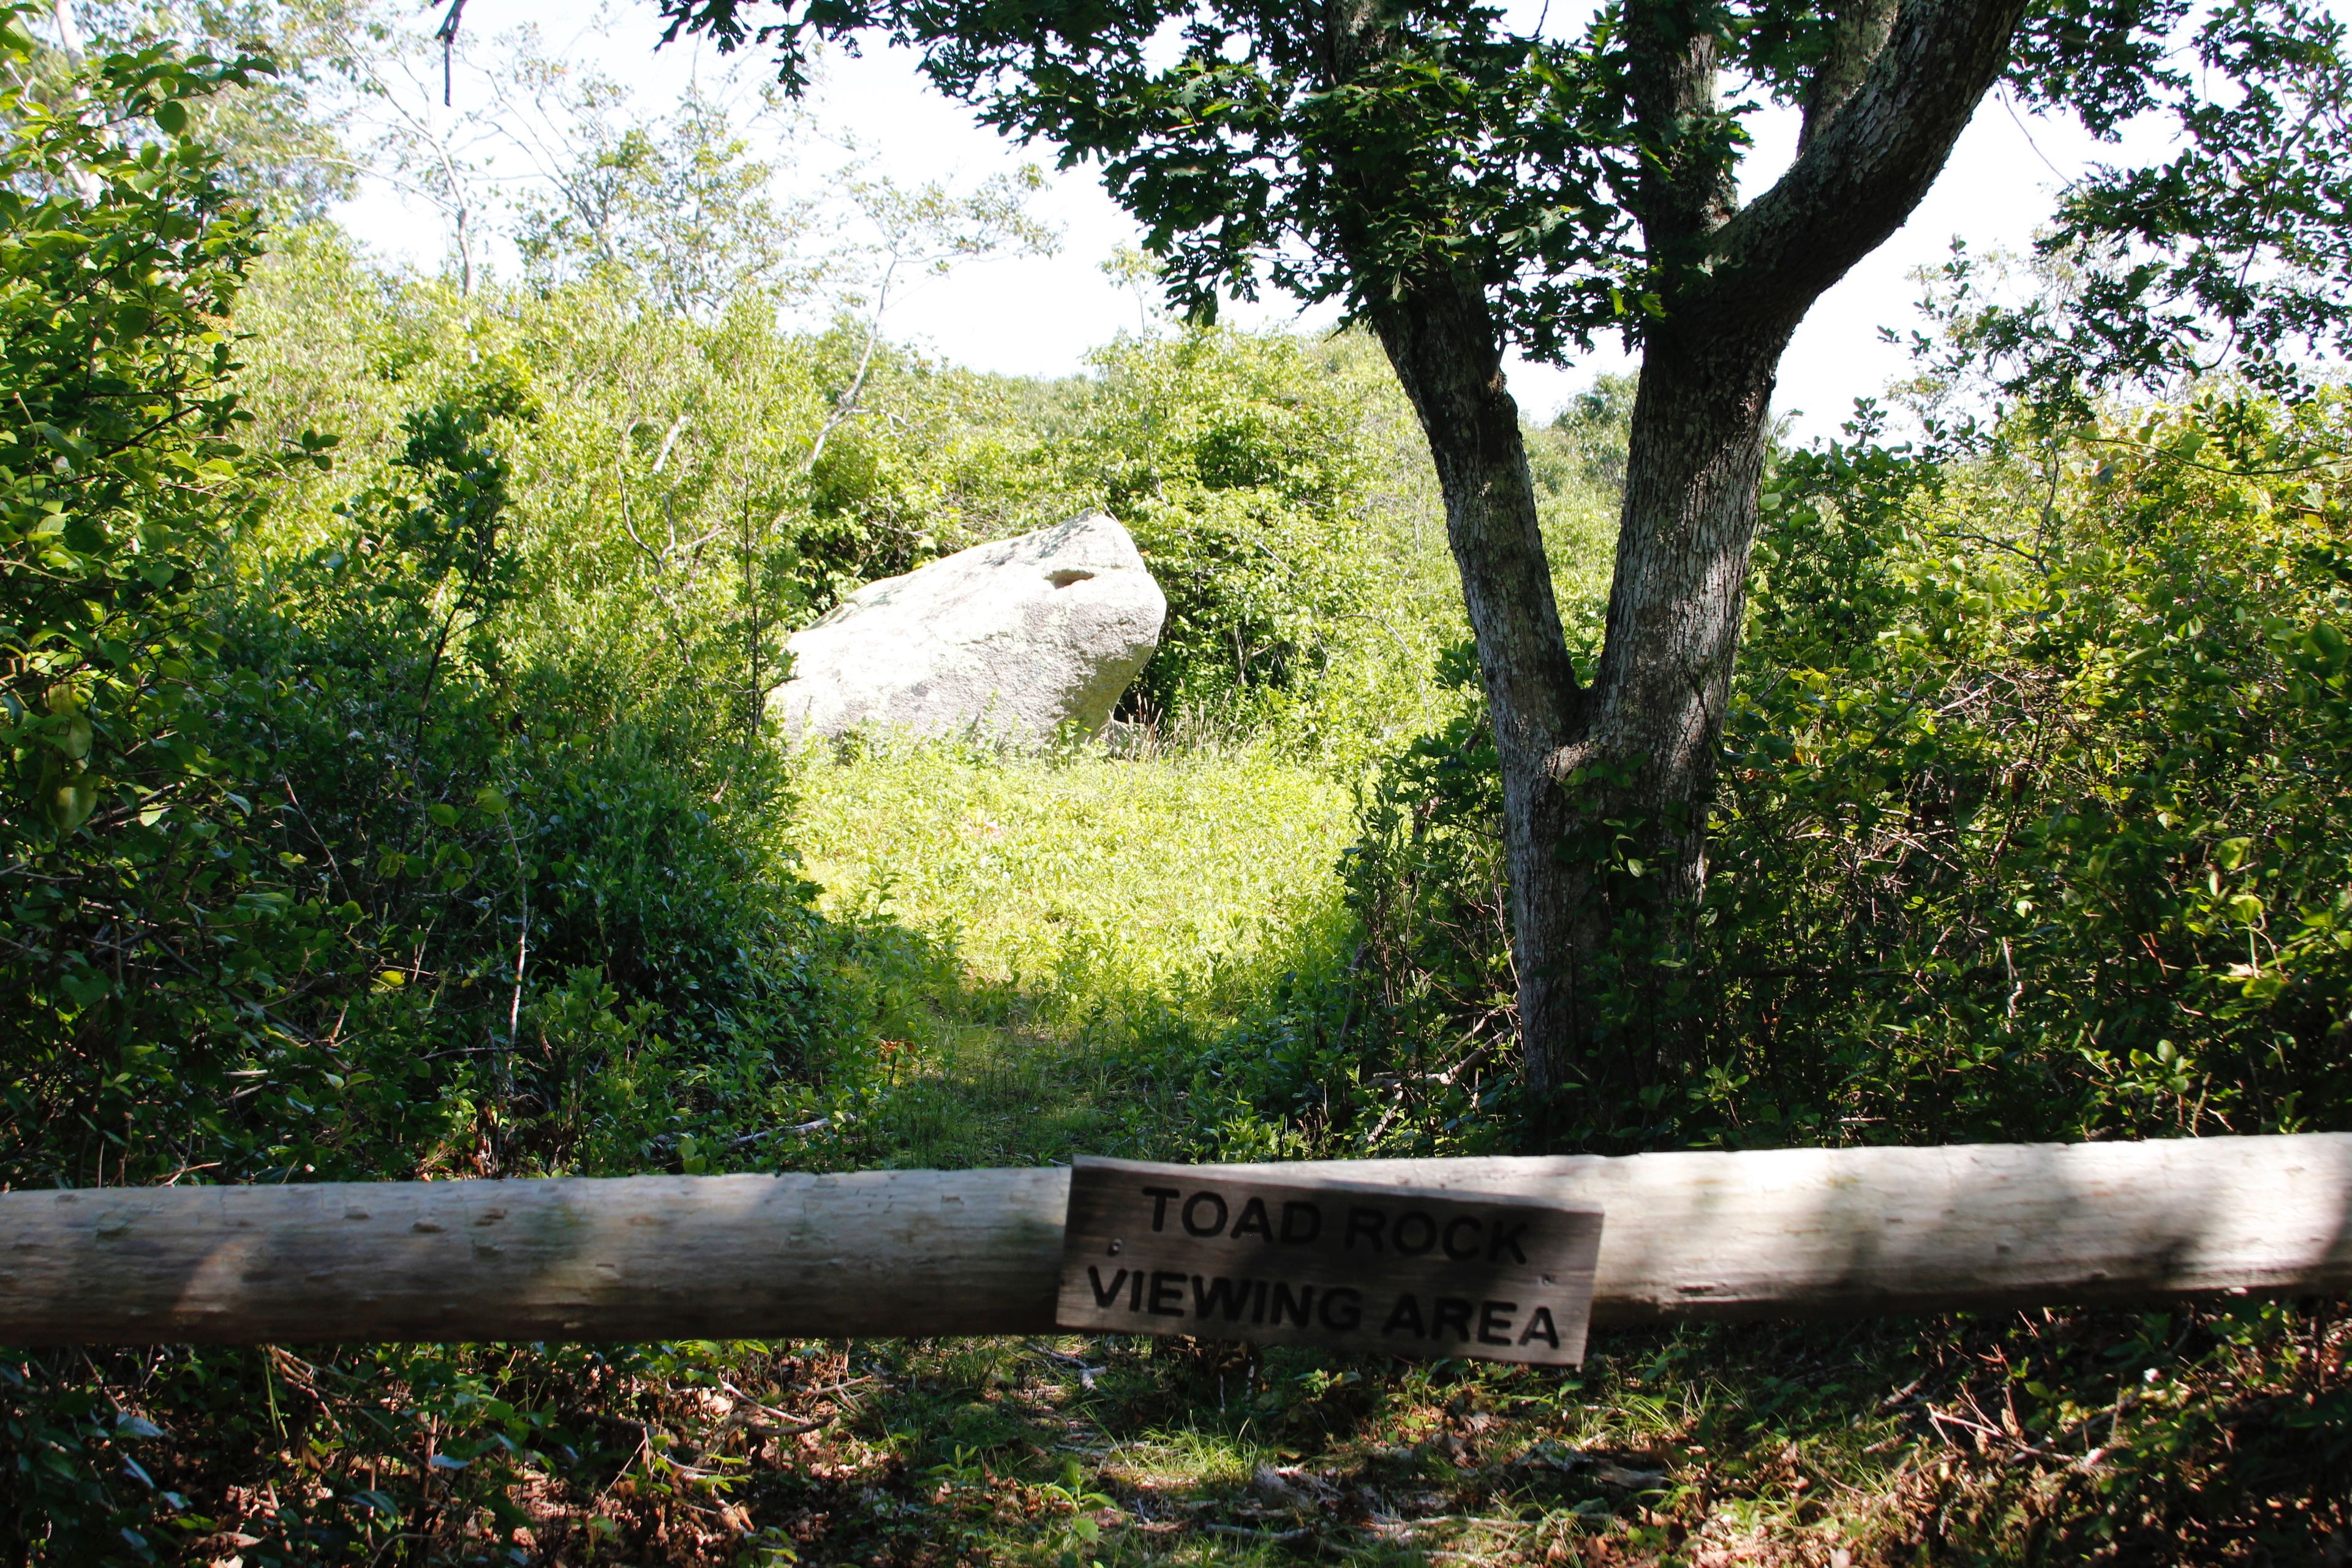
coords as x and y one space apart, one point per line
1444 346
1633 780
1692 469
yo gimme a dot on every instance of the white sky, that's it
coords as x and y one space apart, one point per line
1041 315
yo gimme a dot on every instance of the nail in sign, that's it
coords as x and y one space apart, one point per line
1190 1249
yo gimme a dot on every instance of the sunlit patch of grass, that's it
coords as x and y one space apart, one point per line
1186 1457
1044 943
1086 885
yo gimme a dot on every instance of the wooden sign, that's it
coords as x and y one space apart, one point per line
1188 1249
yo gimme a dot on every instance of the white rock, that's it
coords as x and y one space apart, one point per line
1009 641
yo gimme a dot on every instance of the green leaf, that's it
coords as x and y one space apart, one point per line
68 804
74 740
86 986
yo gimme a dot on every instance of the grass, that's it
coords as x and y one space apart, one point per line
1088 884
1044 943
1047 939
1945 1440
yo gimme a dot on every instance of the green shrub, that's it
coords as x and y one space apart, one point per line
1240 462
2033 815
144 924
2030 822
322 860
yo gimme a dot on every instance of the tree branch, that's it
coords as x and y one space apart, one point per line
1686 188
1857 40
1864 171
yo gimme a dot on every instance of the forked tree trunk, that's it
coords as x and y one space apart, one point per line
1605 790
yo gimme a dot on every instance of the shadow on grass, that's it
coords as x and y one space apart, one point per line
956 1070
1943 1440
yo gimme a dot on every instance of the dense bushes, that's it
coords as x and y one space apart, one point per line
141 917
2037 791
311 841
400 801
2031 825
318 861
1241 465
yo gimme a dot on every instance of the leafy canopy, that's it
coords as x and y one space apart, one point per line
1265 143
2231 254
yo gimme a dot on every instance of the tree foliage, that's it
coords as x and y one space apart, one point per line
2230 255
125 480
1528 162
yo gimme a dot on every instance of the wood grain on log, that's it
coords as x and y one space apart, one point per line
1781 1233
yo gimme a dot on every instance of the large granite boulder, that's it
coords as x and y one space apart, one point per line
1011 641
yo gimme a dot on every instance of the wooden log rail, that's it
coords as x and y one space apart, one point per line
1782 1233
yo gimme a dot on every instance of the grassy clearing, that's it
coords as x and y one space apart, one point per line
1088 883
1046 938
